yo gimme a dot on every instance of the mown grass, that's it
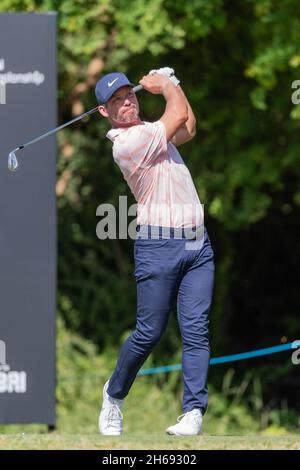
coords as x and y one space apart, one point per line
59 441
153 404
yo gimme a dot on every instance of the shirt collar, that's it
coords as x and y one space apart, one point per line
114 132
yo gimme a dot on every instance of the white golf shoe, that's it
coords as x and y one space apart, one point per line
110 418
189 424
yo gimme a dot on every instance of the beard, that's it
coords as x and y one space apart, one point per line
131 115
128 117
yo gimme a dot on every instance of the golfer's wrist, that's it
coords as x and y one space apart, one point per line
168 89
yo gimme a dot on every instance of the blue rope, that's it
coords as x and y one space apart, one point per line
225 359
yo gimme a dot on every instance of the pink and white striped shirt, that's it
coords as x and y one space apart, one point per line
157 176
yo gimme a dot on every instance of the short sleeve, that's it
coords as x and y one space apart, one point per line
142 144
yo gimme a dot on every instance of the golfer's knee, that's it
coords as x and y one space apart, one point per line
195 339
148 338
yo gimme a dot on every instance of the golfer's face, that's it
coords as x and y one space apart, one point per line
123 106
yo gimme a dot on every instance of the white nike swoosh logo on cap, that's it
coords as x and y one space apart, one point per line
111 83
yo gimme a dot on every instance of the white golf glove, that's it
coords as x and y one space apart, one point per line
168 72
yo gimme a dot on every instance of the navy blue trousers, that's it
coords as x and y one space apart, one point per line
167 271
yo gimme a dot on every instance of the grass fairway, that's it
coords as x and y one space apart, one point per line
57 441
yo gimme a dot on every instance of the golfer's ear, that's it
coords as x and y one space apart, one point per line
103 111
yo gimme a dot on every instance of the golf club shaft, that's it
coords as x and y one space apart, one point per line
135 89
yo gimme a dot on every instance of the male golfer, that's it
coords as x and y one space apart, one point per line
172 262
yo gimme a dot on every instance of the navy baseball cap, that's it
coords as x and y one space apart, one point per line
110 83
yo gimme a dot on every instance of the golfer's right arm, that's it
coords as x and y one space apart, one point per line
176 112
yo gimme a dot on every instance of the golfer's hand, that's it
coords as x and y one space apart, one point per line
168 72
155 83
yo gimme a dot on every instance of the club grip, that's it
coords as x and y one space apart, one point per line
137 88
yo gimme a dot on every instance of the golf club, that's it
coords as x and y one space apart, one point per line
13 163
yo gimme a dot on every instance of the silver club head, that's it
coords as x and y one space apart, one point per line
13 163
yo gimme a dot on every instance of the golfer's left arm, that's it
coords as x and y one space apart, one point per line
188 130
